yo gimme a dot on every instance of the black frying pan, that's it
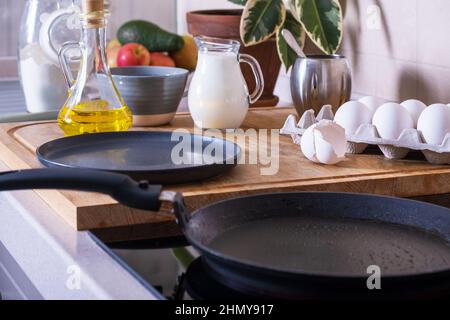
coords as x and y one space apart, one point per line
143 155
295 245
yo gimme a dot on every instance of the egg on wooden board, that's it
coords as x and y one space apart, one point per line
373 103
391 119
415 108
434 123
324 143
352 115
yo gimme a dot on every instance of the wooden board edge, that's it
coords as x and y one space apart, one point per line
387 185
118 215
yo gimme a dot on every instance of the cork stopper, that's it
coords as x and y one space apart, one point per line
90 6
93 12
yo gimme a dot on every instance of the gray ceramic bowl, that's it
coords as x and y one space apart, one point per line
152 93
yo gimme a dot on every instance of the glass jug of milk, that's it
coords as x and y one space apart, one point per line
218 95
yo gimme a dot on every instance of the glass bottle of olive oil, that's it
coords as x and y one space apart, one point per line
94 103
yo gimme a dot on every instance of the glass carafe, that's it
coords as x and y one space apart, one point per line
94 104
45 26
218 95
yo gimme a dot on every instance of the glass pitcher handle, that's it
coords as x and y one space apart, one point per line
257 73
65 66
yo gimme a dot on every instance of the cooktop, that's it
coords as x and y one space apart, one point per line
171 269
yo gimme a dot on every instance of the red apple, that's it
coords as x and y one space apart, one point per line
160 59
133 54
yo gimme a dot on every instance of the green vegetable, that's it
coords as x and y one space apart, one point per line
150 36
183 256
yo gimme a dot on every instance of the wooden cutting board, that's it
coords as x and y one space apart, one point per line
359 173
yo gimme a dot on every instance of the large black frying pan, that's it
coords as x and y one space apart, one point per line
294 245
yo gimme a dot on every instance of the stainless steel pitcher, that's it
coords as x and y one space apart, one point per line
320 80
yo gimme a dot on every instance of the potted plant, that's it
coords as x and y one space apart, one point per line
258 26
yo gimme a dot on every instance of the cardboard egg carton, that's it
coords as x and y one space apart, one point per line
410 139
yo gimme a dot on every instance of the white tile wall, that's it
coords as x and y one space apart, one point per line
161 12
407 57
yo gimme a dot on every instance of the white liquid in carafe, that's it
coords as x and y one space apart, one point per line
218 96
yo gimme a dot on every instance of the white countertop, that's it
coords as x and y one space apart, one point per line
60 262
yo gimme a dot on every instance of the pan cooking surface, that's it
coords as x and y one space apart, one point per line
335 246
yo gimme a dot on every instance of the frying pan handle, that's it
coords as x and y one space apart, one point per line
138 195
179 207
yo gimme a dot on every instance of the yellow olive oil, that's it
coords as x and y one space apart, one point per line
93 117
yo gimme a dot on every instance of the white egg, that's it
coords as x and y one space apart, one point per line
391 119
324 143
415 109
434 123
373 103
352 115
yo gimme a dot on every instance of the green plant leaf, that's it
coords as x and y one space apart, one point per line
287 55
293 8
241 2
261 19
322 20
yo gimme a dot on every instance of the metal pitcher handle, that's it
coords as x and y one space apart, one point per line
257 73
65 66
